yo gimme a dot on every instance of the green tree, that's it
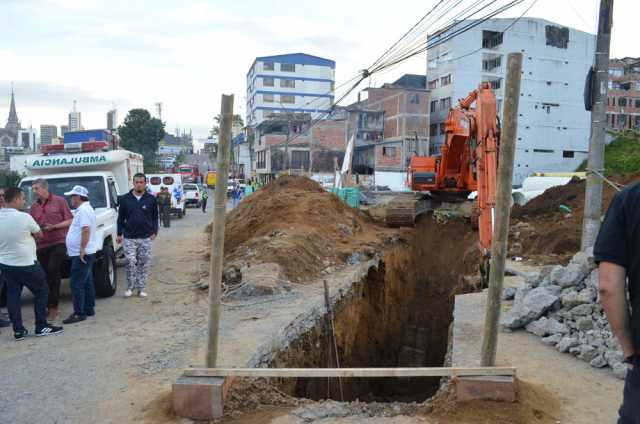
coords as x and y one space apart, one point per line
237 121
180 158
9 178
141 133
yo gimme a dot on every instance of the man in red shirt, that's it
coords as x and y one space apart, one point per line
52 214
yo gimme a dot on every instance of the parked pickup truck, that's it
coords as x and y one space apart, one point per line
106 174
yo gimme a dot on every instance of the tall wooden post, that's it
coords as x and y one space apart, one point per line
503 209
217 246
595 162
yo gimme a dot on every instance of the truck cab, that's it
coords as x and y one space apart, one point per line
106 175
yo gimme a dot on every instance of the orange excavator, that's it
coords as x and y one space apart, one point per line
467 162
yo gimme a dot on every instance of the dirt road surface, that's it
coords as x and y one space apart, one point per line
109 368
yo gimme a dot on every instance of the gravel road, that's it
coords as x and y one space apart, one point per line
106 369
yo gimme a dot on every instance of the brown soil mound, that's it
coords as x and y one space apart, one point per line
296 224
549 234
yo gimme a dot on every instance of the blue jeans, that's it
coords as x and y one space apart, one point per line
33 277
81 279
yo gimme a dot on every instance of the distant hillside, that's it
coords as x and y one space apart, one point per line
622 156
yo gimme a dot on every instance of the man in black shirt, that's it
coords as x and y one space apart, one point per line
617 251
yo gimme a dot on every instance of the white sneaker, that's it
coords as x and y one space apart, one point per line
128 293
142 293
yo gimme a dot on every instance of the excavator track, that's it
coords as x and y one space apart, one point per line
403 209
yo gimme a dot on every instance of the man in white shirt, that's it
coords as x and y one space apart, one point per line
19 265
81 249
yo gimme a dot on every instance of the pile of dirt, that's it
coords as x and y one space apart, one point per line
546 231
301 228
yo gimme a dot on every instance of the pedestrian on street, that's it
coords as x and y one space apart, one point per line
138 224
4 321
52 214
81 244
164 203
617 252
205 197
19 265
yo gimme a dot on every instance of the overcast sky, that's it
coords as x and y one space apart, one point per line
185 54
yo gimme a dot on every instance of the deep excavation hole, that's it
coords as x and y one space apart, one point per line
398 316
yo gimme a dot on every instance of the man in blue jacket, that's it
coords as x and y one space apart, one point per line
138 223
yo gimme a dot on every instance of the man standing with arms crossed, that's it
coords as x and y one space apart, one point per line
617 251
52 214
138 223
81 248
19 264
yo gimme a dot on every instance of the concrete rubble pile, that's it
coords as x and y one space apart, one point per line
561 305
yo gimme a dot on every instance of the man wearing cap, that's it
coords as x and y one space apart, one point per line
52 214
138 223
19 264
81 248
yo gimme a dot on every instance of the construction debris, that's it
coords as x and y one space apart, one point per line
560 305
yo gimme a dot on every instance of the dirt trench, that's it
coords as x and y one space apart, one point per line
399 315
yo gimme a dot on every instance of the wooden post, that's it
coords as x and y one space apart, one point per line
503 209
595 162
217 247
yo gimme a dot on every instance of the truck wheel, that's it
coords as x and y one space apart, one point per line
105 277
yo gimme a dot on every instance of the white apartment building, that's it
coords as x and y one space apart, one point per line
553 126
295 82
75 119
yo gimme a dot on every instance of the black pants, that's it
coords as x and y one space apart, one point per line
32 276
204 205
630 409
165 216
51 259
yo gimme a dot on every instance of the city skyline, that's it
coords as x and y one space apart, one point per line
179 65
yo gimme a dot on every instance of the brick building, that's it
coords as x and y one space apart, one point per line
623 100
291 137
393 125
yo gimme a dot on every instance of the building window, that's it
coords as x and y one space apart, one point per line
299 159
287 99
445 104
491 39
268 66
491 63
268 82
287 83
433 84
433 130
261 159
637 103
496 83
267 98
446 80
288 67
622 101
542 151
568 154
441 125
433 106
415 99
389 151
557 36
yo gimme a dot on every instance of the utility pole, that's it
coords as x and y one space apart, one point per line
217 247
595 163
502 210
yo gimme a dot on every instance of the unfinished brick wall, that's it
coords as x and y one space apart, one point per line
329 135
389 156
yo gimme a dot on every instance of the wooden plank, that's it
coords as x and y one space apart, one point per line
347 372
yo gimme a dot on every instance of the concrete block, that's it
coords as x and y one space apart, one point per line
200 398
497 388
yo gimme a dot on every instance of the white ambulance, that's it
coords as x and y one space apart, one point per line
107 174
174 183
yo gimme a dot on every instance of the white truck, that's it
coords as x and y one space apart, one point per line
107 175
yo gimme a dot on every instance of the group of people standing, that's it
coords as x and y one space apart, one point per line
34 246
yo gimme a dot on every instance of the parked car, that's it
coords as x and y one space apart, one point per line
192 194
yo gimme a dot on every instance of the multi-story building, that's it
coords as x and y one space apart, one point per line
553 126
112 120
48 133
392 125
623 100
298 82
64 129
75 119
27 139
